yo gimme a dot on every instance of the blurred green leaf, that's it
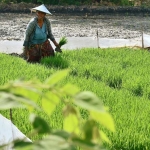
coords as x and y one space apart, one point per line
49 102
39 124
89 101
104 118
58 76
104 137
33 84
69 109
88 130
32 93
96 136
53 142
70 89
86 145
22 145
62 133
71 123
8 100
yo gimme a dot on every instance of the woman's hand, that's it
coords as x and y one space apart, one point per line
57 49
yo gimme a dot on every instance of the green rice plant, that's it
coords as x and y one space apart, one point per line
138 90
74 72
114 82
119 80
55 62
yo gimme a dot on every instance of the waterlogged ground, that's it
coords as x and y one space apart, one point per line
13 26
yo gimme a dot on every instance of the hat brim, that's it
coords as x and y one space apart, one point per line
41 8
34 10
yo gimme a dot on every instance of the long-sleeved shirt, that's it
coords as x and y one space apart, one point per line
31 27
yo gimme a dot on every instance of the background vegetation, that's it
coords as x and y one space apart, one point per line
120 78
85 2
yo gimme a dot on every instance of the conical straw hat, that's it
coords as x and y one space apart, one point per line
41 8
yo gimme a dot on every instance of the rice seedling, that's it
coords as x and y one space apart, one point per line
63 40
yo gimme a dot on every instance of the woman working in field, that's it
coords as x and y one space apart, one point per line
36 43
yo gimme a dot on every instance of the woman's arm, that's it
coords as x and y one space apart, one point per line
56 44
50 34
30 28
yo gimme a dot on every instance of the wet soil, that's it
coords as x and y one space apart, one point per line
13 25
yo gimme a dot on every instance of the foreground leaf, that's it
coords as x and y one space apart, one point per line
49 102
58 76
54 142
86 145
104 137
22 145
8 100
70 89
89 101
39 124
32 93
105 119
70 123
88 130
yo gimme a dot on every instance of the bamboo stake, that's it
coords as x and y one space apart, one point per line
11 115
97 39
142 37
142 40
11 119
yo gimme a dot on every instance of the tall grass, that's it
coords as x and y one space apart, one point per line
120 77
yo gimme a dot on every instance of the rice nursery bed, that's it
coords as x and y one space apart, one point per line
120 77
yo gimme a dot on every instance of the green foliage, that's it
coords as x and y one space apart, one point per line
52 93
70 2
5 1
124 2
39 125
89 101
80 2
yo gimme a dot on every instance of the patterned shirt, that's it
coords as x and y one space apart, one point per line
30 31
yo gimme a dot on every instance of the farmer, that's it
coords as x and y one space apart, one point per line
36 43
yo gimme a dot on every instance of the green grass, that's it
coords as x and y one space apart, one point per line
120 77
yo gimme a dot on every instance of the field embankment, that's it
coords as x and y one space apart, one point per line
76 10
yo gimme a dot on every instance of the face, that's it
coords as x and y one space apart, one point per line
40 14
